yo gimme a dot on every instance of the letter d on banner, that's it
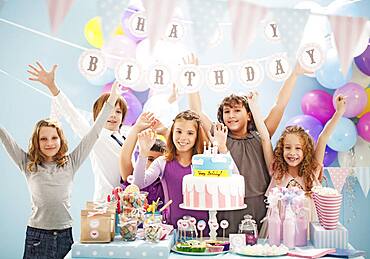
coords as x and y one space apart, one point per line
92 63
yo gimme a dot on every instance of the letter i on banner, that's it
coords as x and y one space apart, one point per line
92 63
128 72
218 78
190 79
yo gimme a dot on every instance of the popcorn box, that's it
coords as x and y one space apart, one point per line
322 238
121 249
96 226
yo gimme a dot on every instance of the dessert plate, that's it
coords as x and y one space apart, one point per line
198 253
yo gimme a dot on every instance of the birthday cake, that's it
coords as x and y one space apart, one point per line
212 185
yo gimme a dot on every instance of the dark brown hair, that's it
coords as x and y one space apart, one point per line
98 105
188 115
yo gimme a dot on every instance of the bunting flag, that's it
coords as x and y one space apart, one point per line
110 12
347 32
206 15
245 18
338 176
291 24
58 9
159 14
363 176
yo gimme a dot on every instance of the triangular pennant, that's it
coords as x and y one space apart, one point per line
245 18
291 25
205 16
110 12
58 9
338 176
363 176
347 32
159 14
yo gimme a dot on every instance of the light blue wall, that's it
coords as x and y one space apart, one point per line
22 106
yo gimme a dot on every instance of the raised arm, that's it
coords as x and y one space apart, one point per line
194 98
261 127
80 153
76 120
18 155
329 128
274 117
144 121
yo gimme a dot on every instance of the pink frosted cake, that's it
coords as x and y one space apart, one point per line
212 186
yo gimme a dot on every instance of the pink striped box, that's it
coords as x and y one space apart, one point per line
322 238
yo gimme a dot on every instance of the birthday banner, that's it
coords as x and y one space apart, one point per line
339 176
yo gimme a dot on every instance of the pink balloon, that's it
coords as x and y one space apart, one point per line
318 104
363 126
118 48
356 98
134 106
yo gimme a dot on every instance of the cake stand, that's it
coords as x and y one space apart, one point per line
212 216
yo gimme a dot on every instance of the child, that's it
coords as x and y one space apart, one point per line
157 148
244 144
105 154
296 162
49 173
185 139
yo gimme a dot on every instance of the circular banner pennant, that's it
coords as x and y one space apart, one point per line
218 78
190 79
311 57
128 72
278 67
251 73
159 77
92 63
175 31
272 32
137 24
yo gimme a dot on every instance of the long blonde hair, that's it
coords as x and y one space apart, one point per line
35 156
307 167
188 115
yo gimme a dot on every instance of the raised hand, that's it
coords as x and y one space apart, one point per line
191 59
114 93
146 140
43 76
252 97
220 136
340 104
145 120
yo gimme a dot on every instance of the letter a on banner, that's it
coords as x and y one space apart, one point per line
92 63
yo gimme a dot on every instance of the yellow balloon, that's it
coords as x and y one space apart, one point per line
93 32
367 107
118 30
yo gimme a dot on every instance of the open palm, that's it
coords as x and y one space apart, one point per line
41 75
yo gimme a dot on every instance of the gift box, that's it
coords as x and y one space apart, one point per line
322 238
96 226
120 249
110 208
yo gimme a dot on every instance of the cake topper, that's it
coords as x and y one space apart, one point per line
224 225
201 225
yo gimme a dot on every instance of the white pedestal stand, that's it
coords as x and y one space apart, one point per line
212 218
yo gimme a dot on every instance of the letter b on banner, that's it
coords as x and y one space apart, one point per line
92 63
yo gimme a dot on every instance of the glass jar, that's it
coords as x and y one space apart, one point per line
152 227
128 229
248 227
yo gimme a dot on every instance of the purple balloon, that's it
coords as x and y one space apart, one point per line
134 108
318 104
311 125
356 98
125 25
363 126
330 156
363 61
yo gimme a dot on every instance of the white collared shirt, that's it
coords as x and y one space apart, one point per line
105 154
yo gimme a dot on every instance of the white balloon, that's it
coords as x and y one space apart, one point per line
362 153
164 111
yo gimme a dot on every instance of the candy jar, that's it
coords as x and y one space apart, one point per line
128 229
152 227
248 227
